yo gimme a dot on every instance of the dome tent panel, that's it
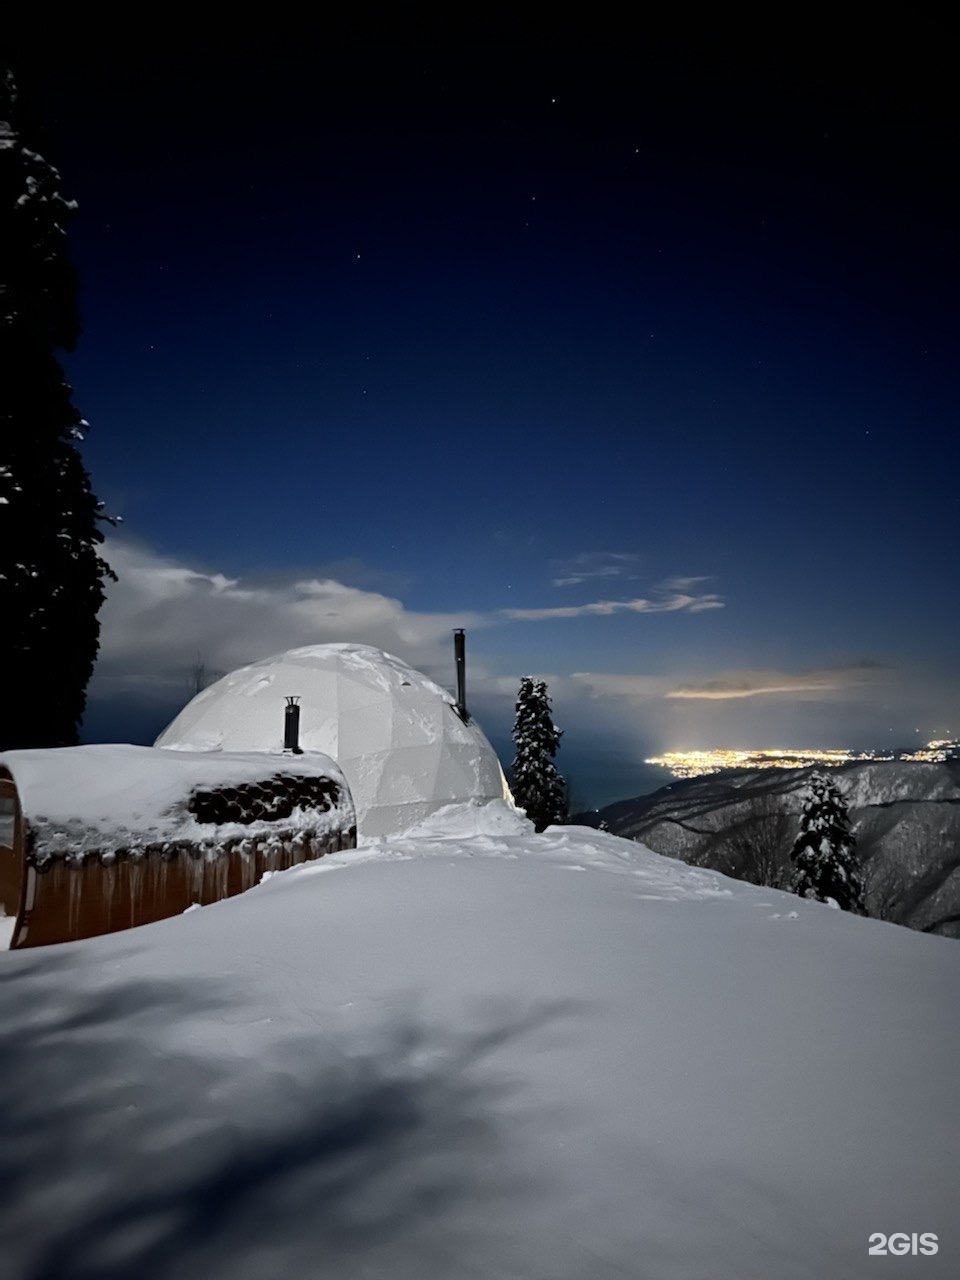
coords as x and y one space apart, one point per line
365 708
409 773
458 764
402 816
367 729
354 692
421 726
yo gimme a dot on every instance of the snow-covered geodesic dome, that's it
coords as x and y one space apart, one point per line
396 735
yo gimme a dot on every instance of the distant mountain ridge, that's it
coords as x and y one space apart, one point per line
905 816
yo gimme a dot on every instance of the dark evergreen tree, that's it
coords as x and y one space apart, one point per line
824 853
51 574
537 786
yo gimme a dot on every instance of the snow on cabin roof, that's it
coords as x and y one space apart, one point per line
80 801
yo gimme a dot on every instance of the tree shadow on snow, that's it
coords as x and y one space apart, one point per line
121 1161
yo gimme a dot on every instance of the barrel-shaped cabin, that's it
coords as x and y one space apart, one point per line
100 838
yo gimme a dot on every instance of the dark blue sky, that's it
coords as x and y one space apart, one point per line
450 321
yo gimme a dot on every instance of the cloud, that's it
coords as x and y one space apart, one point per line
589 565
601 684
756 684
837 681
162 617
673 602
683 584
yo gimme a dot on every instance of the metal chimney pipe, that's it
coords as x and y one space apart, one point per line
460 652
291 727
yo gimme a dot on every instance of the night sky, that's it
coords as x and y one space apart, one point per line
635 357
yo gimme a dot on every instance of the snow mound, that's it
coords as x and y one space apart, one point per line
401 744
475 818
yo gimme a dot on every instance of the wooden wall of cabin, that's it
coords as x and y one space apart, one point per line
11 850
66 902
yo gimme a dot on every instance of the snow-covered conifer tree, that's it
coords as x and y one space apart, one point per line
537 786
51 575
827 867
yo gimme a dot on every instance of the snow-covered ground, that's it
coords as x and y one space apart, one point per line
476 1052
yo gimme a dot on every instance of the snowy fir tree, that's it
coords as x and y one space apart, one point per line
826 864
51 574
537 786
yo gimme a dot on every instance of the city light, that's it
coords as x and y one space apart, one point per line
693 764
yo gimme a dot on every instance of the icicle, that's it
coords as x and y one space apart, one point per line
108 882
135 878
74 877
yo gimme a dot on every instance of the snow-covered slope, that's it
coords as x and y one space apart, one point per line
905 817
477 1052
